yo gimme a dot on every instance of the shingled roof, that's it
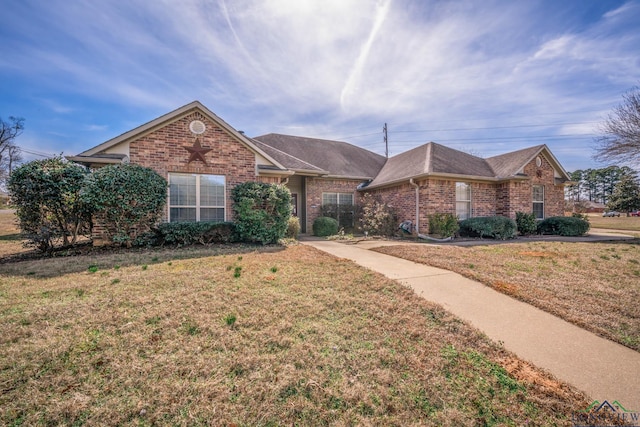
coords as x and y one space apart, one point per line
438 160
337 158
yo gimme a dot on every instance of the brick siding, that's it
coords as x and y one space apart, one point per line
487 198
163 151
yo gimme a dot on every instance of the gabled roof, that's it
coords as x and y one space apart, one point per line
339 159
510 164
433 159
96 154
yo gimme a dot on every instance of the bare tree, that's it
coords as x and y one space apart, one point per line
619 138
10 154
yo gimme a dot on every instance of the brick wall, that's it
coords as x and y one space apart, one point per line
487 198
163 151
316 186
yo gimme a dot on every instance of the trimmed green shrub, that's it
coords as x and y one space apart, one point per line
189 233
443 224
345 214
50 211
325 226
262 211
497 227
127 200
563 226
527 223
293 228
376 217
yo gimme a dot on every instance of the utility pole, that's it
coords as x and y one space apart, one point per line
386 141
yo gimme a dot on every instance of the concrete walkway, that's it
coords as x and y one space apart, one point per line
601 368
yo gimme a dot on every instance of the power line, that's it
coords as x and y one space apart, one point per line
37 153
494 127
530 137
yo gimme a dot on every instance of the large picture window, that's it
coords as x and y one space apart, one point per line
196 198
463 200
538 201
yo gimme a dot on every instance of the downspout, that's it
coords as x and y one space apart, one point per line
417 187
284 181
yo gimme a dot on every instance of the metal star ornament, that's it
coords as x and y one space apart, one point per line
197 151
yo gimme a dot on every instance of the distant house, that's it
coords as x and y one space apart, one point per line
203 158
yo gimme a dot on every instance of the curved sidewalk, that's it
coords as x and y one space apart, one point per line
604 370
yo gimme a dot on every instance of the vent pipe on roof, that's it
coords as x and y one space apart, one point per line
417 187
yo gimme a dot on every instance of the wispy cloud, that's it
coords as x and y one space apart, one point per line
331 68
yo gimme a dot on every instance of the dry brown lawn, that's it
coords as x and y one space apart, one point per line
593 285
249 336
631 223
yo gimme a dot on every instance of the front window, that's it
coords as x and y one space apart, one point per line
463 200
196 198
538 201
339 206
337 199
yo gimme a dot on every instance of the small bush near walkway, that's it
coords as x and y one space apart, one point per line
325 226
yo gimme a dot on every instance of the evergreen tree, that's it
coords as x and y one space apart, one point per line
626 195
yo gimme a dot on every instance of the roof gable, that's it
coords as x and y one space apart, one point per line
511 164
97 153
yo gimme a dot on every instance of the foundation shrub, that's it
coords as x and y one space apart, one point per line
443 224
527 223
376 217
325 226
563 226
261 211
190 233
127 200
496 227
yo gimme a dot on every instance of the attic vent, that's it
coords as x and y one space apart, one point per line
538 161
197 127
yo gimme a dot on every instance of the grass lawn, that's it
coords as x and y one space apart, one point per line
593 285
239 335
631 223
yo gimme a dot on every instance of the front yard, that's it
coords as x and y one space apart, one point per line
593 285
242 335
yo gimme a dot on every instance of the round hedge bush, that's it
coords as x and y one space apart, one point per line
563 226
325 226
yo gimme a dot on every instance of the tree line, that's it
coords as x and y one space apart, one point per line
597 185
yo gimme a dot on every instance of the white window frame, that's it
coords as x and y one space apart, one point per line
198 206
537 202
466 202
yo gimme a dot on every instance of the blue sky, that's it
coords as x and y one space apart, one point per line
484 77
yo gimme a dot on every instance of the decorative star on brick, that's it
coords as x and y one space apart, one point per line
197 152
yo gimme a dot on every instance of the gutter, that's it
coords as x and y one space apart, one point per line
417 187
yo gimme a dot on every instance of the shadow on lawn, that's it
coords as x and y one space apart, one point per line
85 257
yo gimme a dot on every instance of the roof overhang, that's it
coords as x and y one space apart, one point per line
92 161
